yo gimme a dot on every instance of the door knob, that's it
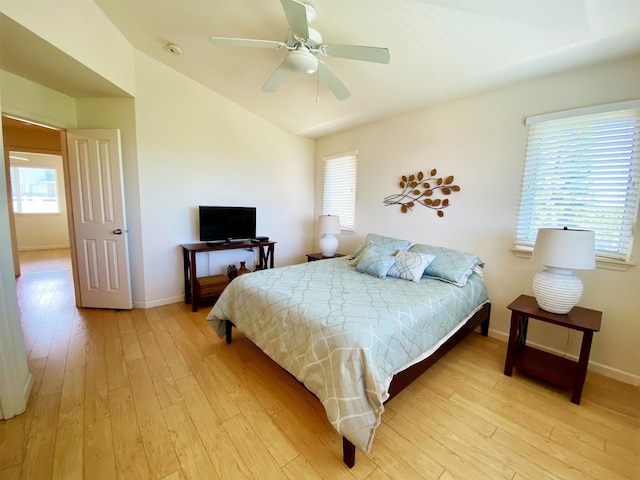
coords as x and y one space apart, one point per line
118 231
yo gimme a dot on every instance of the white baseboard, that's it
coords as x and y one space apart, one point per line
611 372
159 302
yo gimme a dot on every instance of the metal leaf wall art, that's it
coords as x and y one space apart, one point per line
418 190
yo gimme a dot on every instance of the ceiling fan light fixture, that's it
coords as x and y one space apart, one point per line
301 61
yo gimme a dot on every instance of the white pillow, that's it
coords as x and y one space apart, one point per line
410 265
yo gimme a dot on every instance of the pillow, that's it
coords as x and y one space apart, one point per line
451 266
389 242
375 264
410 265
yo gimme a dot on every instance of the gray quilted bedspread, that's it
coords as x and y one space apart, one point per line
344 334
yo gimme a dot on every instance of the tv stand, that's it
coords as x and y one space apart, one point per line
265 256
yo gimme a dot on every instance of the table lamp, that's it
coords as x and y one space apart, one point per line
561 250
329 228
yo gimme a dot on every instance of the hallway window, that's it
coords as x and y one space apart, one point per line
34 190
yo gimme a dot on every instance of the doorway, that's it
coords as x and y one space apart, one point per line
35 150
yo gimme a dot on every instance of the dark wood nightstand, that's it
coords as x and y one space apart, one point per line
312 257
552 368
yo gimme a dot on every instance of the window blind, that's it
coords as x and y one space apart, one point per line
583 172
339 197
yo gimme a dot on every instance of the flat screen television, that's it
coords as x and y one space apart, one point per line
227 224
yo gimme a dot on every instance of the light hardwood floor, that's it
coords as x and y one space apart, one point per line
155 394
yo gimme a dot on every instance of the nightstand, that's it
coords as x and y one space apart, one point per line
552 368
312 257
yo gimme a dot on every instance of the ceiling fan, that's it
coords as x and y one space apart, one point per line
304 44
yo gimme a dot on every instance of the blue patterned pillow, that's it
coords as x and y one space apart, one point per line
451 266
389 242
410 265
374 263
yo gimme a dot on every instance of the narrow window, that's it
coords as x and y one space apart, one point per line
339 197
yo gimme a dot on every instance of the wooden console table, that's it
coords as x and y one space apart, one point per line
189 251
552 368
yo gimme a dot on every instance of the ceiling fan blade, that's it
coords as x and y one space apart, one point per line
275 79
333 82
296 14
245 42
357 52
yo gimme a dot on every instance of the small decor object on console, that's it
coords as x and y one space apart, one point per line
412 195
556 288
329 228
232 272
243 269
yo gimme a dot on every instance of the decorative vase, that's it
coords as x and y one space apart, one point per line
243 269
232 272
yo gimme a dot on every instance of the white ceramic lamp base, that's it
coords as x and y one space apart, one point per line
557 290
328 245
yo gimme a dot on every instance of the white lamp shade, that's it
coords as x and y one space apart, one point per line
564 248
329 224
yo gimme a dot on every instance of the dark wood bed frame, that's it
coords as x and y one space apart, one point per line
404 378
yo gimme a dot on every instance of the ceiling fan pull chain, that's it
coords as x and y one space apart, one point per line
318 87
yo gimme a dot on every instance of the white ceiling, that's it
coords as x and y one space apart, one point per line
440 49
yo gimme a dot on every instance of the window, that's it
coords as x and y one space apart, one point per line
34 190
340 188
582 171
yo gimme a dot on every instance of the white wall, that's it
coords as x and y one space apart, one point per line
80 29
481 140
197 148
15 379
26 99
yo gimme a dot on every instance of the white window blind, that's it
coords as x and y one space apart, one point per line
34 190
583 172
339 197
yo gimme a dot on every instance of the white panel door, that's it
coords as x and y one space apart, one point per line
97 196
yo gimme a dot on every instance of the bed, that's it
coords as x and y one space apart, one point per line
354 335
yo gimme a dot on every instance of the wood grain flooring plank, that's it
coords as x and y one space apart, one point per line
131 462
160 372
622 467
38 458
327 462
177 475
172 356
251 407
253 452
99 454
299 468
452 424
116 363
69 450
14 435
558 467
158 447
193 458
223 453
131 345
53 375
10 473
225 407
96 381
